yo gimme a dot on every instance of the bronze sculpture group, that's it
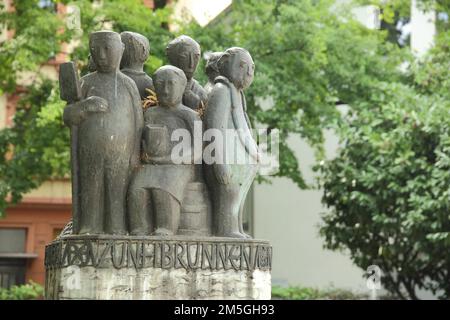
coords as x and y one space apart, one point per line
125 179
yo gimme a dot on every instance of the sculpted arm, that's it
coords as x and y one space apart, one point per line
242 124
193 98
139 123
76 112
217 117
196 128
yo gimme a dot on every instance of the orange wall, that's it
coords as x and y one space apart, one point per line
41 220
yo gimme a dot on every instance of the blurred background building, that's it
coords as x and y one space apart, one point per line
42 214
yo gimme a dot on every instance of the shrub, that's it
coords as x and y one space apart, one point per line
305 293
388 190
29 291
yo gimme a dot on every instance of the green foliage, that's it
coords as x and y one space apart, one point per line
124 15
29 291
388 189
392 12
36 40
308 58
37 148
431 75
388 186
305 293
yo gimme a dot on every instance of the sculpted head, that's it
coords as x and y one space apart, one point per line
106 50
237 65
184 53
137 50
170 83
212 69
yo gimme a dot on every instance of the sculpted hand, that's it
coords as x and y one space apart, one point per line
95 104
191 99
222 173
75 113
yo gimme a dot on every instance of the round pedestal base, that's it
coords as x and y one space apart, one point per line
143 268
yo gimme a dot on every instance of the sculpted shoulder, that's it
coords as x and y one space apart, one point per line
153 113
129 83
88 78
190 114
219 94
219 99
87 81
218 107
197 87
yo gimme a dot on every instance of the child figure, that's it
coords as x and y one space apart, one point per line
157 188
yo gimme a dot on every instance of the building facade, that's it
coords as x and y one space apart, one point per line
33 223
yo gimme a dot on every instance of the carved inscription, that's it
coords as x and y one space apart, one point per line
159 254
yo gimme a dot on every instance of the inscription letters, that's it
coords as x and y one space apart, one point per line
159 254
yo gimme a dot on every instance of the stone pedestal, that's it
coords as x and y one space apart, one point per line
141 268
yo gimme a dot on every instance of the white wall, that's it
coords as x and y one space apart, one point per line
423 29
289 218
202 11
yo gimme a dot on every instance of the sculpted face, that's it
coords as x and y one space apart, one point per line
238 66
247 68
184 53
106 50
169 83
188 60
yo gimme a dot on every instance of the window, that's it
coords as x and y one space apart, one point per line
12 266
12 240
12 272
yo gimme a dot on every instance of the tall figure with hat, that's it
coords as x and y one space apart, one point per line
109 119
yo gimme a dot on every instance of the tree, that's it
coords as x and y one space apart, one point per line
36 148
387 189
308 59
